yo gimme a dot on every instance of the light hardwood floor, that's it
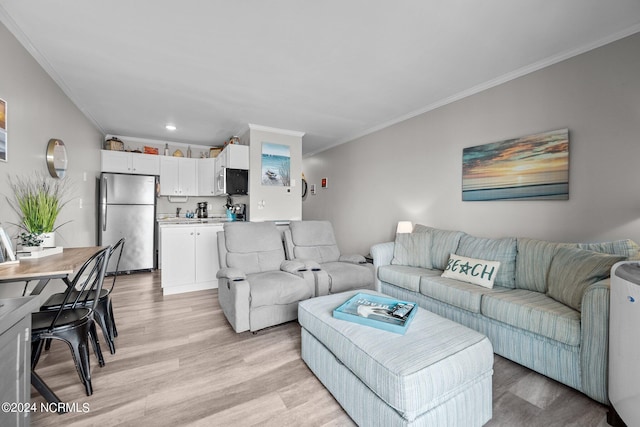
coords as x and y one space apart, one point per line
178 362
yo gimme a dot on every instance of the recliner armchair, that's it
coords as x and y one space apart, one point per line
314 241
257 286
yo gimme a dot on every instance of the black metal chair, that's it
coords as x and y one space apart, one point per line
103 310
72 320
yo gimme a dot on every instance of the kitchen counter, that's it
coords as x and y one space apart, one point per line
191 221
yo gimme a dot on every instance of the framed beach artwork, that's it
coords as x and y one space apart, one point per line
276 164
534 167
3 130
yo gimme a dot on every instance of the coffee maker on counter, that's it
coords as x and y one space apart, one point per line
201 210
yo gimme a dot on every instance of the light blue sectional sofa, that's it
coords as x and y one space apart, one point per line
547 308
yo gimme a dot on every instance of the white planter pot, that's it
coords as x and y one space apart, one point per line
48 240
31 248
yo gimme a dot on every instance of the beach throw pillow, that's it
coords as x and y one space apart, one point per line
472 270
412 249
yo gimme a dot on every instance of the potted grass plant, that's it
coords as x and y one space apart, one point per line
38 199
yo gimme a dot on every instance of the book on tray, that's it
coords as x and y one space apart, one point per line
380 312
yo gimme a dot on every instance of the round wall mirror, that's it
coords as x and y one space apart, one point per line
304 188
56 158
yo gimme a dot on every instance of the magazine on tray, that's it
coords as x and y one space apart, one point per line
380 312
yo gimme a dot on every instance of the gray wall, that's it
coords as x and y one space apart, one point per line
38 110
412 170
274 203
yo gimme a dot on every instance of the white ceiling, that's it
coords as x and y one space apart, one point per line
334 69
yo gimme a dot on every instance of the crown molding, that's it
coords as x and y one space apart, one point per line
276 130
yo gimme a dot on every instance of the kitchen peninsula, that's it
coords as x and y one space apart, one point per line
189 254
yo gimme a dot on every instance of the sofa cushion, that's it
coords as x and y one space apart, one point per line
344 276
502 250
314 240
412 249
277 288
404 276
475 271
454 292
443 244
253 247
534 312
573 270
533 262
626 247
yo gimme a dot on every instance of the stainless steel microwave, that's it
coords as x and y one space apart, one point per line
232 181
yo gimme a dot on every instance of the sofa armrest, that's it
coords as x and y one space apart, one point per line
301 269
321 283
594 343
382 253
231 274
320 277
234 296
312 265
293 266
352 258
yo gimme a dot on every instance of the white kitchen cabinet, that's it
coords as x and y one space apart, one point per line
134 163
207 263
234 156
189 257
218 183
207 177
178 176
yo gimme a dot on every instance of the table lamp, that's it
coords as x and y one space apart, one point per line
404 227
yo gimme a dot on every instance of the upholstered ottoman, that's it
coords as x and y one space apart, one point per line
437 374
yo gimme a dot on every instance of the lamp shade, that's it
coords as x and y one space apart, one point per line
404 227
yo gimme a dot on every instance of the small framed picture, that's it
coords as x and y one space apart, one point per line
5 245
3 130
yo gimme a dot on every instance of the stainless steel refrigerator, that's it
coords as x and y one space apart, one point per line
127 208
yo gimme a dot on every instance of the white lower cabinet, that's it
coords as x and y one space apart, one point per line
189 257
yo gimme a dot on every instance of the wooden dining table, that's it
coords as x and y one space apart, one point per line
58 266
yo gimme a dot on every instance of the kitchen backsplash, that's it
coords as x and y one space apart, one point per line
216 205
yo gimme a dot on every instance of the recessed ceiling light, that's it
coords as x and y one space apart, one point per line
170 127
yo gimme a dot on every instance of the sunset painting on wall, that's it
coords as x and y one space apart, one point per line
534 167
